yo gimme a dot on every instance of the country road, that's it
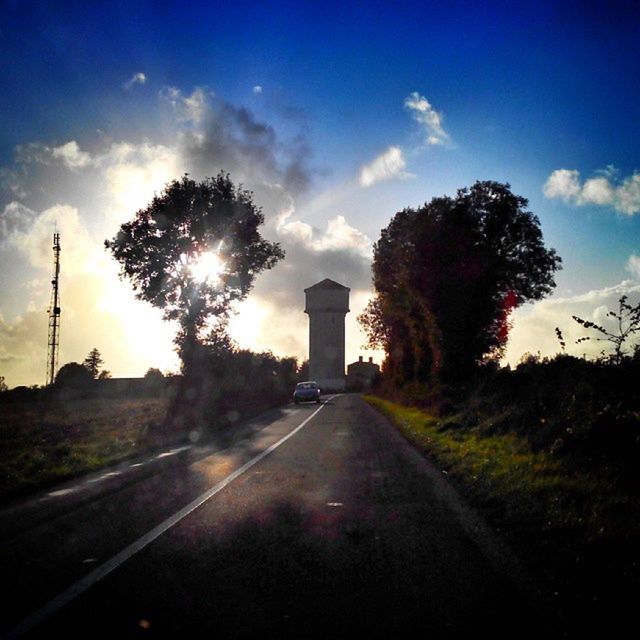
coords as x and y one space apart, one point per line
321 521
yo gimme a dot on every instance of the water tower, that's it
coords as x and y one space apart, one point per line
327 304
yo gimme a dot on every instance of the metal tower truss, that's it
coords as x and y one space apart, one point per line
53 340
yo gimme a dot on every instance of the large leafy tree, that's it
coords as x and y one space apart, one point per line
73 375
447 276
193 251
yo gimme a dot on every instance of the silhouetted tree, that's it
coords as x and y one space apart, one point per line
73 376
161 249
446 278
302 373
93 361
3 385
154 375
104 375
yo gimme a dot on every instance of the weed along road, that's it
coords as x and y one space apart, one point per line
320 521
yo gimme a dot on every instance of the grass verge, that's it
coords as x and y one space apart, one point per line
580 531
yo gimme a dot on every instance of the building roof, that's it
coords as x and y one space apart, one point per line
326 284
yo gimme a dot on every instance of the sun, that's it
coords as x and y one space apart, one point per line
208 267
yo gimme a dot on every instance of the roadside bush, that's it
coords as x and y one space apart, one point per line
585 411
227 385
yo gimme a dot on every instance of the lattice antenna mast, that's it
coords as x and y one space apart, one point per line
53 340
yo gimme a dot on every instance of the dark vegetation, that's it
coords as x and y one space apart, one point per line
585 411
550 450
227 385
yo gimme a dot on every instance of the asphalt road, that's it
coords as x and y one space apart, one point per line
341 529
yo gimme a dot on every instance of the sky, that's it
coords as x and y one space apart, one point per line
336 115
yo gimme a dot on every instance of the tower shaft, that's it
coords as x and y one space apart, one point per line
327 303
53 338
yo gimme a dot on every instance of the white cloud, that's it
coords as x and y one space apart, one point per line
338 236
633 266
424 113
534 325
136 78
134 172
386 166
563 183
71 155
628 195
257 89
14 219
604 190
597 191
341 235
35 242
190 109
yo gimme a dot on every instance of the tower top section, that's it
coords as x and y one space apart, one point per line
327 295
326 284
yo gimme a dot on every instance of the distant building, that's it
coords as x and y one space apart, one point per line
361 374
327 304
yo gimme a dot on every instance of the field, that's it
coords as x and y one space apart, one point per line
42 443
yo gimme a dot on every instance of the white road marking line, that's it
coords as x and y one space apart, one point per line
62 492
104 476
84 584
172 452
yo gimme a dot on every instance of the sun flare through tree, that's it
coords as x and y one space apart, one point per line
193 251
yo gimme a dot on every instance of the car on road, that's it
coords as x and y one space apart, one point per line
306 392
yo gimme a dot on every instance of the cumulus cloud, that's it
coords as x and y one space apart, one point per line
534 325
71 155
14 219
431 120
633 266
386 166
604 190
136 78
188 108
338 236
133 173
68 154
11 183
34 242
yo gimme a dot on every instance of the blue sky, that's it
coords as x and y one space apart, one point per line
541 95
